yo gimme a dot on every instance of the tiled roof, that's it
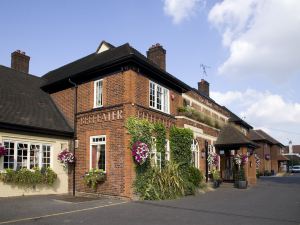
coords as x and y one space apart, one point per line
260 135
232 137
24 104
113 56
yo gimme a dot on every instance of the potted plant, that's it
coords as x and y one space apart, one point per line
216 178
240 179
66 157
94 177
242 183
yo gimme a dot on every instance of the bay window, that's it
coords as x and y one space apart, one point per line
27 155
159 97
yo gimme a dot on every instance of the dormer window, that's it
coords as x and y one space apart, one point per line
159 97
98 93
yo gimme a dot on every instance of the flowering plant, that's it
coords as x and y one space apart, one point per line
3 150
140 152
66 157
267 156
257 161
213 159
240 159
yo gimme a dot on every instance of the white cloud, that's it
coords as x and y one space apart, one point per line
181 10
263 37
265 110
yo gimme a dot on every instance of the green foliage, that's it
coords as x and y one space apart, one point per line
140 130
94 177
195 176
25 177
200 117
160 135
180 144
241 174
216 175
158 185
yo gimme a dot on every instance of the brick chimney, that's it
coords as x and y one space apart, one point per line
20 61
157 54
203 86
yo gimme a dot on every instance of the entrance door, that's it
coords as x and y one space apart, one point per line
227 166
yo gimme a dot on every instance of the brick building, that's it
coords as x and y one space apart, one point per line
115 83
270 151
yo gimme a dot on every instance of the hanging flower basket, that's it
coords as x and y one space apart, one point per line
213 159
240 159
257 161
267 156
140 152
3 150
66 157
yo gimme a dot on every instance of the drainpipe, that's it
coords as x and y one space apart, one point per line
206 160
75 133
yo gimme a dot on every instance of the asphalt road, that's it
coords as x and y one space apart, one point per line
275 200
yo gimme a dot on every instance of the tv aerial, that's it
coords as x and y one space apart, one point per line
204 68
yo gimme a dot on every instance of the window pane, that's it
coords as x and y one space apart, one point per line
9 158
98 93
22 155
152 94
34 156
46 156
166 100
101 162
159 98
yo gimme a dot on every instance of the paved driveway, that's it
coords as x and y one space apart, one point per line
275 200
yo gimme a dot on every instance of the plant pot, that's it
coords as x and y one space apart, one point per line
216 184
242 184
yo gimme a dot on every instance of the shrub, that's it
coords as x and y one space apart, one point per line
162 184
200 117
195 176
25 177
180 144
216 175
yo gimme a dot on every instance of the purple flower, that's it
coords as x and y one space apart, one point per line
3 150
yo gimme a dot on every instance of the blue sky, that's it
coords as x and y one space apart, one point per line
252 47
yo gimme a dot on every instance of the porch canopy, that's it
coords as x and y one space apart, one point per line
231 138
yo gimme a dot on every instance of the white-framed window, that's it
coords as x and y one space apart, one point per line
167 151
26 155
195 154
159 97
155 157
98 152
98 93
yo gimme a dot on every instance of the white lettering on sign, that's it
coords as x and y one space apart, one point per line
101 117
151 118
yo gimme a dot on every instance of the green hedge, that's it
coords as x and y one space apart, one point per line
25 177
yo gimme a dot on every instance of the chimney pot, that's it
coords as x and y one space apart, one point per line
20 61
157 54
203 86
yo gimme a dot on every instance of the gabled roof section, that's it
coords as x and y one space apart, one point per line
104 46
231 137
90 66
24 106
260 135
